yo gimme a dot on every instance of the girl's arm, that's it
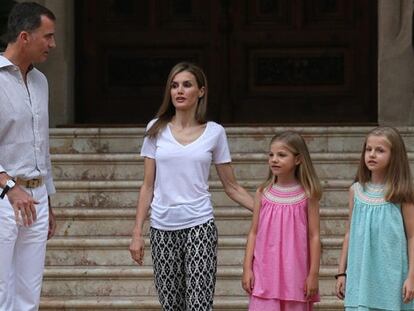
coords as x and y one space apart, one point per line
236 192
341 280
248 277
311 284
136 248
408 215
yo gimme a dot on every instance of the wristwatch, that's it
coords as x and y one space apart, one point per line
9 185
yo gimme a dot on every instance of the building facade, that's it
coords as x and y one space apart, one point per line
328 62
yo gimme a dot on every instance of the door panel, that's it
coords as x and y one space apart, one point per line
267 61
312 67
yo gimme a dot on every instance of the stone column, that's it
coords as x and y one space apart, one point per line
60 66
395 62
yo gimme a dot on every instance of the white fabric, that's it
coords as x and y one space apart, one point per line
24 124
22 255
181 193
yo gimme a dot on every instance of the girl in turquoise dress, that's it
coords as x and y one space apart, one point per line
376 267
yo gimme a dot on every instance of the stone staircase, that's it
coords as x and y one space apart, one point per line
98 173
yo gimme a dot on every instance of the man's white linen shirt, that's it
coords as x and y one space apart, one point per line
181 194
24 124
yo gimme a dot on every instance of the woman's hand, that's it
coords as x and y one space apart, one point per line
340 287
136 248
248 281
311 286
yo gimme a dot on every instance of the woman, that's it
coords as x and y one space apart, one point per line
178 149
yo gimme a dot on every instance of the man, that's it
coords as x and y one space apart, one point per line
26 217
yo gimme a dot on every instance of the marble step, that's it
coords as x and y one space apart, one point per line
133 280
114 194
241 139
150 303
246 166
120 221
113 251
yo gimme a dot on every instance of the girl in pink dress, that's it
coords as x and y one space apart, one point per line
281 265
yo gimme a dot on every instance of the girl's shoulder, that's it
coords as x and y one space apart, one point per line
356 185
359 190
258 194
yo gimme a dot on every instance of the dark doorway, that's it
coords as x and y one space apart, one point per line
5 8
267 61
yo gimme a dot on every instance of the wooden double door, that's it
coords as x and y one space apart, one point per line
267 61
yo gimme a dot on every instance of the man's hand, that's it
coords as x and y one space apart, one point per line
23 205
52 221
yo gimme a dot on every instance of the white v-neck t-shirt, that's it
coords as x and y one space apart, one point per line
181 193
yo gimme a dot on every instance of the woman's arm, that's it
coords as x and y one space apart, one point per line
341 280
236 192
312 281
248 277
136 248
408 215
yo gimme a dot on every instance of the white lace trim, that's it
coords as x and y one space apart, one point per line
294 199
373 194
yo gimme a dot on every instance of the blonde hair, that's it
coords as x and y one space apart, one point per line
167 109
304 171
398 180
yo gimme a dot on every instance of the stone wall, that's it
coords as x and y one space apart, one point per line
60 67
395 62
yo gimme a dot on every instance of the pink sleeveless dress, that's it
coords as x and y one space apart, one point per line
281 255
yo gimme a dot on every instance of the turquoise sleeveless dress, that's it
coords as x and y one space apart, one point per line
377 254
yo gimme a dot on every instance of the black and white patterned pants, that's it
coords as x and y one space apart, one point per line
185 264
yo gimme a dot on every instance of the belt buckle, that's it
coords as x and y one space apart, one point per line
32 183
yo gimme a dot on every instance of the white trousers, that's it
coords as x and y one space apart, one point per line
22 255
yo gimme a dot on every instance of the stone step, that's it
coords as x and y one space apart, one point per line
246 166
129 140
98 173
119 222
113 251
133 280
110 194
241 139
130 166
150 303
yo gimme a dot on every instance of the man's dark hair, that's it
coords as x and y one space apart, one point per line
25 16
